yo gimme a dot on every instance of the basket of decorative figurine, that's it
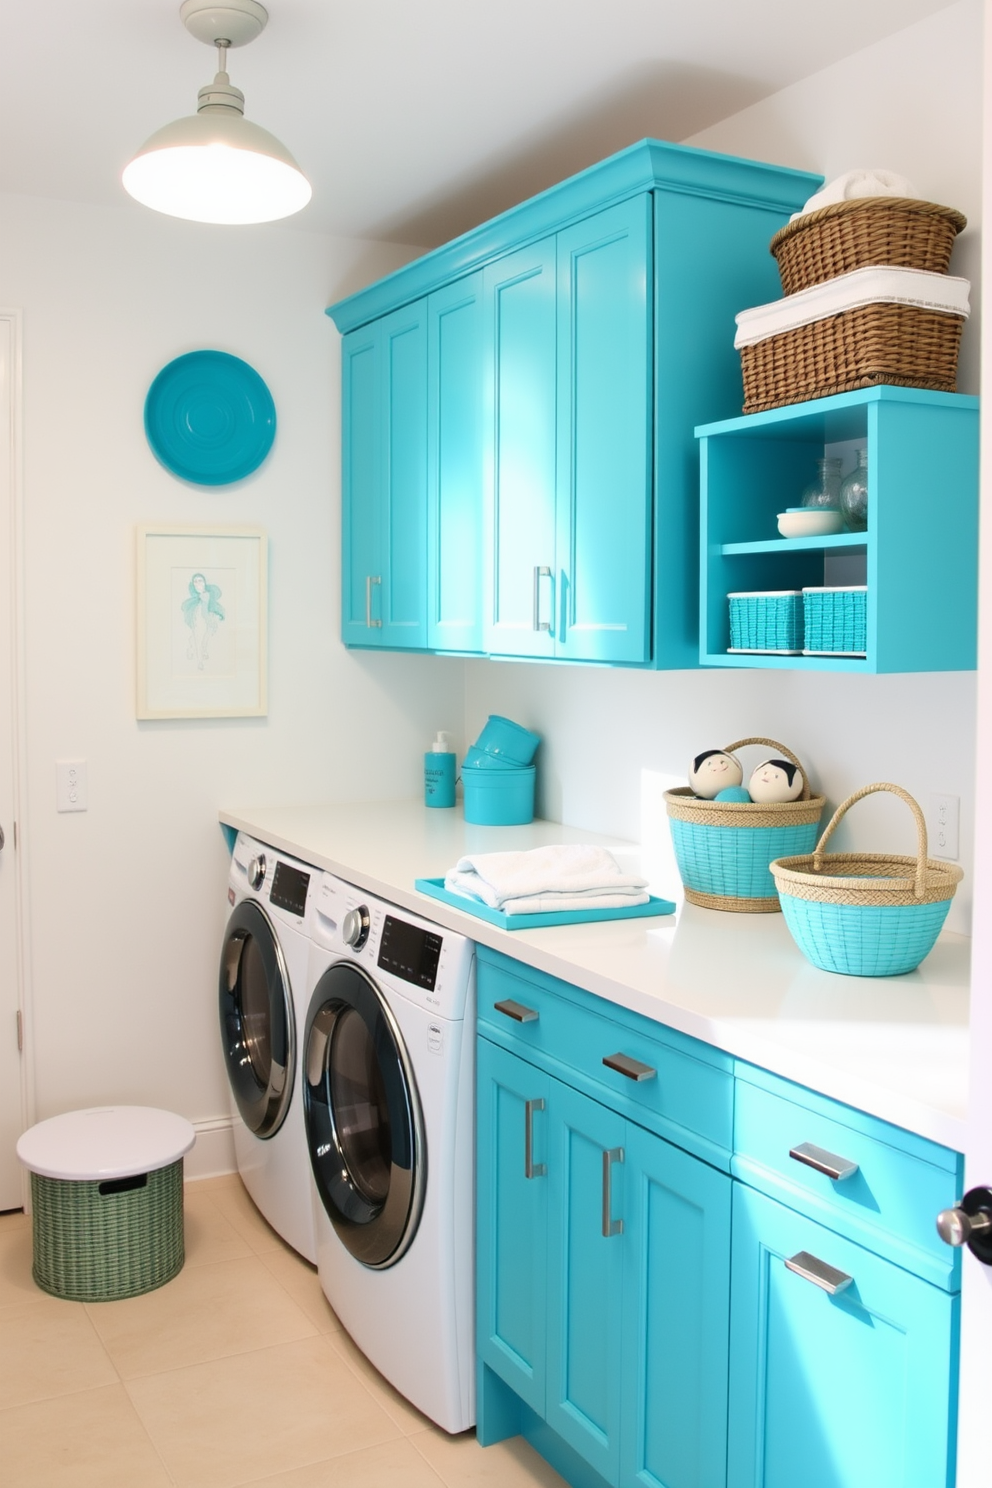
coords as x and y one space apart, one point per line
869 230
725 841
866 914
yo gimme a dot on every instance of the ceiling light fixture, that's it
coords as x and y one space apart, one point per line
214 165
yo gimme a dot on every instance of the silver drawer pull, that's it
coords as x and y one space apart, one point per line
819 1273
531 1168
824 1161
516 1011
611 1226
632 1068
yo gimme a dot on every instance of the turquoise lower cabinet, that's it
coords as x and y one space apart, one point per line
513 1217
676 1303
586 1252
603 1276
842 1370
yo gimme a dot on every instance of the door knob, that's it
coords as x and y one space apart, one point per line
969 1223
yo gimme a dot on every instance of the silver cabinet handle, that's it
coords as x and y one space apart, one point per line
371 624
540 572
824 1161
516 1011
810 1268
632 1068
531 1168
611 1226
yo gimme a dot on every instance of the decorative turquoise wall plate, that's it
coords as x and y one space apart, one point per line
209 418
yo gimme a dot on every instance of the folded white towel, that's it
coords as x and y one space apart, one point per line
554 903
855 184
576 871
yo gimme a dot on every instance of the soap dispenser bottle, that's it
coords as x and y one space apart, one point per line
439 772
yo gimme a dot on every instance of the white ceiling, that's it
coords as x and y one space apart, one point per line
414 119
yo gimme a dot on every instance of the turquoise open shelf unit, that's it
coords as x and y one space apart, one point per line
918 558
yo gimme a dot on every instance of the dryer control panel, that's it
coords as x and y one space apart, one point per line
421 960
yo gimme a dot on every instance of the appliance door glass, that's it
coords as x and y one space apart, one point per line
256 1019
363 1119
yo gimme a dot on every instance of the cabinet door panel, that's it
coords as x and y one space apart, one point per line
676 1311
585 1271
360 488
456 383
404 526
519 294
512 1220
605 435
834 1391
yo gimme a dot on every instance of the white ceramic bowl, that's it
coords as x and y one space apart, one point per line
814 521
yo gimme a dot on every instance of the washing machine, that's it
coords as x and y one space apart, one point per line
388 1096
263 976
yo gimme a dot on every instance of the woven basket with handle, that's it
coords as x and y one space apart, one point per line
859 234
723 848
866 914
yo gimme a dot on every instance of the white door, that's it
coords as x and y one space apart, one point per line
11 1095
976 1332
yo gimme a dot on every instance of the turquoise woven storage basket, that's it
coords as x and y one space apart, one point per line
836 621
724 848
766 620
866 914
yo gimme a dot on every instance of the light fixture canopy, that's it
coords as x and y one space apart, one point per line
215 165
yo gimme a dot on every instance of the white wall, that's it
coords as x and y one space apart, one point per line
613 738
127 900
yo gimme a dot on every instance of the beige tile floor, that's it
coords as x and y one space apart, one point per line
236 1372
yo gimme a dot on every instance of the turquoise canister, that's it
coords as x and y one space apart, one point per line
439 773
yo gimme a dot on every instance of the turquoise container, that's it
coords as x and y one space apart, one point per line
859 940
439 774
508 740
499 798
732 862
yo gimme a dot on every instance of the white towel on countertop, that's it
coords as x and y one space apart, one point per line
546 878
855 184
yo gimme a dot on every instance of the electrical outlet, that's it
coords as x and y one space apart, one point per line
943 828
70 785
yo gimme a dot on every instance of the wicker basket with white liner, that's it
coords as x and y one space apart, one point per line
866 914
724 848
846 235
875 325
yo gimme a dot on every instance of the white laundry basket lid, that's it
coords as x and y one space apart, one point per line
105 1142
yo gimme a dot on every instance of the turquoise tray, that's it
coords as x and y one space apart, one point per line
435 888
209 418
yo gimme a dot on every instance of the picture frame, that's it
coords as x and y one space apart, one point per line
202 621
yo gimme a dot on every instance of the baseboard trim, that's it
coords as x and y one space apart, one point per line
213 1153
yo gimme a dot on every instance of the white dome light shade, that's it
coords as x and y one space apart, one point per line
216 166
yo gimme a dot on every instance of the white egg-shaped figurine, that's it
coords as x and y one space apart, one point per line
712 771
776 780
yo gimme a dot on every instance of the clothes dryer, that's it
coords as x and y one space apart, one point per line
263 972
388 1087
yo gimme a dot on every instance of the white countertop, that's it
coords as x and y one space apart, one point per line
894 1046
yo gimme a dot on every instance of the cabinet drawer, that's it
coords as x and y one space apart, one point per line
889 1202
664 1081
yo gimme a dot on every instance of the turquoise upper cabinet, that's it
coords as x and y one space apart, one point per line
603 548
519 510
455 465
601 336
384 496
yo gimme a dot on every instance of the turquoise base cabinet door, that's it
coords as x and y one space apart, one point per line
585 1276
676 1307
841 1390
455 386
384 491
512 1216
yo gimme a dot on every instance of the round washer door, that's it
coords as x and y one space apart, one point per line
256 1019
363 1119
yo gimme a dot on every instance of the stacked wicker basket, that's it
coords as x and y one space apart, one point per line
909 344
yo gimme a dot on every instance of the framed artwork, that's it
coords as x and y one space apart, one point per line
201 622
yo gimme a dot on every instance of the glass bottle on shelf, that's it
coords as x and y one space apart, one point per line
824 491
854 495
